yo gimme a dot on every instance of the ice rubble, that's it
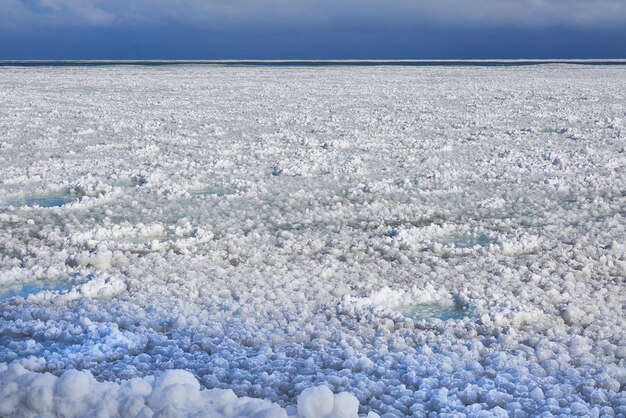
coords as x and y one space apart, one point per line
274 230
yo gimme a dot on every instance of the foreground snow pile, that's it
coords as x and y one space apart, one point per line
176 393
422 240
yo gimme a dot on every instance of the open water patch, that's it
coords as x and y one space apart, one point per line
25 289
31 288
52 200
212 191
418 304
467 241
429 311
47 201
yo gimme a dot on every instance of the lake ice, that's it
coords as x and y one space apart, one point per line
322 242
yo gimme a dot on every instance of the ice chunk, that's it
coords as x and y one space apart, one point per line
177 377
346 405
316 402
73 384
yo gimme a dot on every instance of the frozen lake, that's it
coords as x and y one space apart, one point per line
446 239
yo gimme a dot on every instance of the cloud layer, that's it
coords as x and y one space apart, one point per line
314 29
221 14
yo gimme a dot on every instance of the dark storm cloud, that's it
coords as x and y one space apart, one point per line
293 13
214 29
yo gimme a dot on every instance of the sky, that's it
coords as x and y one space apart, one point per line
311 29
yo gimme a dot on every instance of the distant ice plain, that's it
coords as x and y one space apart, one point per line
270 229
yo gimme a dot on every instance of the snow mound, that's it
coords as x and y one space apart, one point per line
176 393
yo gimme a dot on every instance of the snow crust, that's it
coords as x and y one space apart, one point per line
209 241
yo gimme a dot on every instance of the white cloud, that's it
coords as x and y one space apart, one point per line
293 13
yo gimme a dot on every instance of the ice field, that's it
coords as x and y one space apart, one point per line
318 242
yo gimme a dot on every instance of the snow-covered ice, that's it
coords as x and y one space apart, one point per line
314 242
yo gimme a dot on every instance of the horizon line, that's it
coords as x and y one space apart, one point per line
314 62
